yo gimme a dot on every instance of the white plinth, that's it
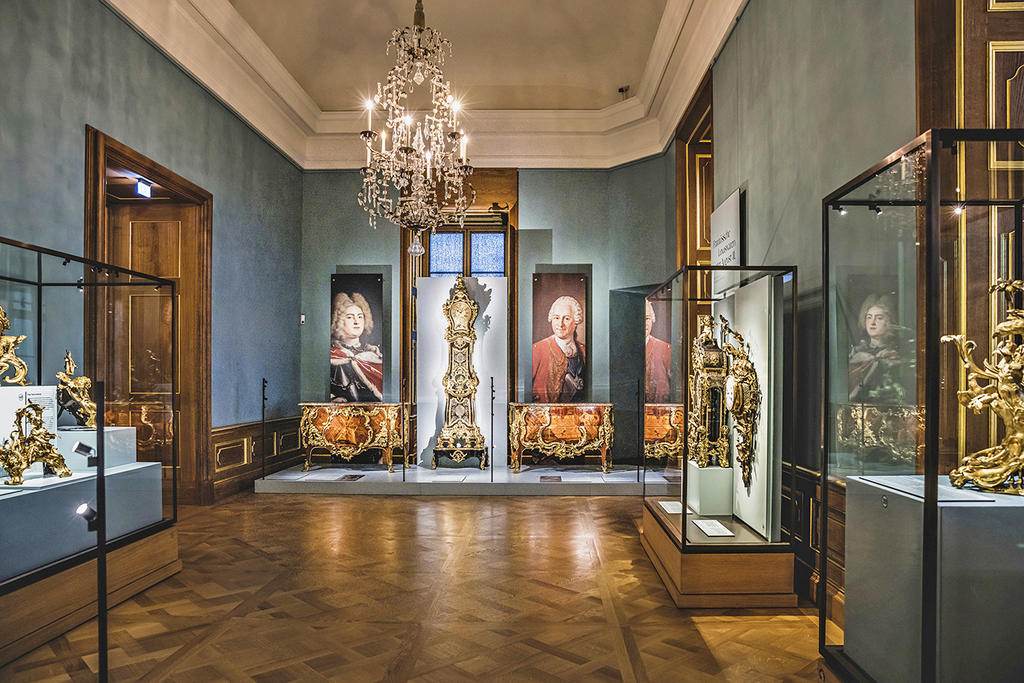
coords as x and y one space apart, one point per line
708 489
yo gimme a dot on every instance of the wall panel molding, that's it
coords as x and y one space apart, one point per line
238 453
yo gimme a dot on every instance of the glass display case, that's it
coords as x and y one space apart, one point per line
918 537
88 406
717 423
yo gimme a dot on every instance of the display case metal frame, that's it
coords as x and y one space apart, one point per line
931 202
91 280
788 374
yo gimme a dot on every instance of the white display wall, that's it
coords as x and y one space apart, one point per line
490 360
755 311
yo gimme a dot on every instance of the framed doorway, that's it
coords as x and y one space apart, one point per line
168 234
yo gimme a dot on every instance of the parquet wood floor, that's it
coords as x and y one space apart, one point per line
359 588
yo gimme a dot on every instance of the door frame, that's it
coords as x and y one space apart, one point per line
101 151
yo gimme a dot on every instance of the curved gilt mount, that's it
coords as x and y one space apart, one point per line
30 442
460 436
73 394
1000 468
346 430
8 358
742 397
561 430
664 429
708 437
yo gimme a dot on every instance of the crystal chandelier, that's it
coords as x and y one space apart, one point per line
417 164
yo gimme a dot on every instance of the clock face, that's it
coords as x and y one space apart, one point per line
732 393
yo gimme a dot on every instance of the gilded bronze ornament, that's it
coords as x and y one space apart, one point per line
346 430
1000 468
460 436
73 394
8 358
664 430
742 397
708 437
561 430
22 449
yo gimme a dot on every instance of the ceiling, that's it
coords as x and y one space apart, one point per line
540 78
506 54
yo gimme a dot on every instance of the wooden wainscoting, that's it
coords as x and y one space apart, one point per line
806 537
237 453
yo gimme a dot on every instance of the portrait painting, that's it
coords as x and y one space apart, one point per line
880 358
560 353
357 362
658 348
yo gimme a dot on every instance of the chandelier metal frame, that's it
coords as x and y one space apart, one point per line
426 167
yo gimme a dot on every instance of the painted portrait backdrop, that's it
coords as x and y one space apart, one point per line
658 349
357 315
560 353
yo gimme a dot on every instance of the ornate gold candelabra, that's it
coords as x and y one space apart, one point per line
999 468
8 358
460 436
73 394
22 449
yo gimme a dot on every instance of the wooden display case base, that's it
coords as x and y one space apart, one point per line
718 579
37 613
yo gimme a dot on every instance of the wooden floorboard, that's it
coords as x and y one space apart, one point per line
361 588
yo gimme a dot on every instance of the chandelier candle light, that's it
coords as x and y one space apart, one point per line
426 167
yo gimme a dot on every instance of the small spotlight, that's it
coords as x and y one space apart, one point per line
143 189
88 451
66 261
959 209
157 288
81 284
89 514
843 211
876 208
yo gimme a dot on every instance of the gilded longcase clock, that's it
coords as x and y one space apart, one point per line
460 436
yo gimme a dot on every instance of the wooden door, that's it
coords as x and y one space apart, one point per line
157 238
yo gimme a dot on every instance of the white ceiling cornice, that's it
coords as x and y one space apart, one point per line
211 41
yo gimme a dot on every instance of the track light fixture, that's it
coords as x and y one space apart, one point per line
89 514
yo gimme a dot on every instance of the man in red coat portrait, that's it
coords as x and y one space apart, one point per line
559 360
658 356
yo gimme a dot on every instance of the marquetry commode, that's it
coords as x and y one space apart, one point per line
562 430
665 432
346 430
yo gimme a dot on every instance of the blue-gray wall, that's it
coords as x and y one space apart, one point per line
336 232
621 220
68 63
806 96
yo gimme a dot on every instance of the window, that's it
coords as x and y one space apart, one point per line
469 251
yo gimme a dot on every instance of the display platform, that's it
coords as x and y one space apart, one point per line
461 481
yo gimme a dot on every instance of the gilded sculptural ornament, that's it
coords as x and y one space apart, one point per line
346 430
708 432
22 449
573 438
883 433
8 358
1000 468
742 397
73 394
664 431
460 436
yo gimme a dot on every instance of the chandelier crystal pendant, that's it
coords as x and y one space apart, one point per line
417 165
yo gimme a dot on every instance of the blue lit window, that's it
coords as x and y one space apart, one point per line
487 254
446 254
